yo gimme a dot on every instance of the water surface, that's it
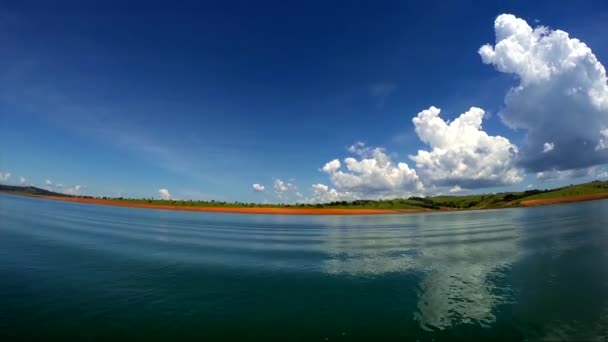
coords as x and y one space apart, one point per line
85 272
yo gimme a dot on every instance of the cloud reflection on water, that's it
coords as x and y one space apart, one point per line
456 256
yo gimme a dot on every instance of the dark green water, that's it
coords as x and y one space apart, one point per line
80 272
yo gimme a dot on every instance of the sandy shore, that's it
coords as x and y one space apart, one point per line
571 199
238 210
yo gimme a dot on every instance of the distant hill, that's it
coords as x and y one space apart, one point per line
29 190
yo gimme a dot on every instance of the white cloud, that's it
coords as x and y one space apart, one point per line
75 190
373 175
258 187
323 194
603 143
462 152
48 182
547 147
164 194
565 174
331 166
529 186
22 180
286 191
562 95
4 176
456 189
280 187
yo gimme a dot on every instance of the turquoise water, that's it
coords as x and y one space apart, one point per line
82 272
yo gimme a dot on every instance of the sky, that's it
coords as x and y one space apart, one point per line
273 101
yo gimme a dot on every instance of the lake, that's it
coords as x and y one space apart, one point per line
84 272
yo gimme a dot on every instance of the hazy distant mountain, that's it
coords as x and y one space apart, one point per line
29 190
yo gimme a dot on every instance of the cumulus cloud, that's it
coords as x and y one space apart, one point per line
286 190
280 187
164 194
462 153
548 147
562 95
331 166
22 180
4 176
373 175
48 182
258 187
323 194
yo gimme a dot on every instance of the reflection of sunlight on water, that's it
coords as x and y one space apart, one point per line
456 253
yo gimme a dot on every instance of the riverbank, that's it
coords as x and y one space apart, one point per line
309 210
561 200
237 210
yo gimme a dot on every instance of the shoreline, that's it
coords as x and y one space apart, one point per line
238 210
563 200
312 211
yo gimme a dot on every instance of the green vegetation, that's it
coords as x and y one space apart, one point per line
478 201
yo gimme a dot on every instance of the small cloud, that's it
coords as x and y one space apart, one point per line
48 182
258 187
548 147
75 190
456 189
4 176
529 186
164 194
22 180
280 187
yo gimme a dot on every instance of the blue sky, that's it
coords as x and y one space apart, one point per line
207 99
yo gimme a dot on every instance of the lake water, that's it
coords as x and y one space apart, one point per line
85 272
